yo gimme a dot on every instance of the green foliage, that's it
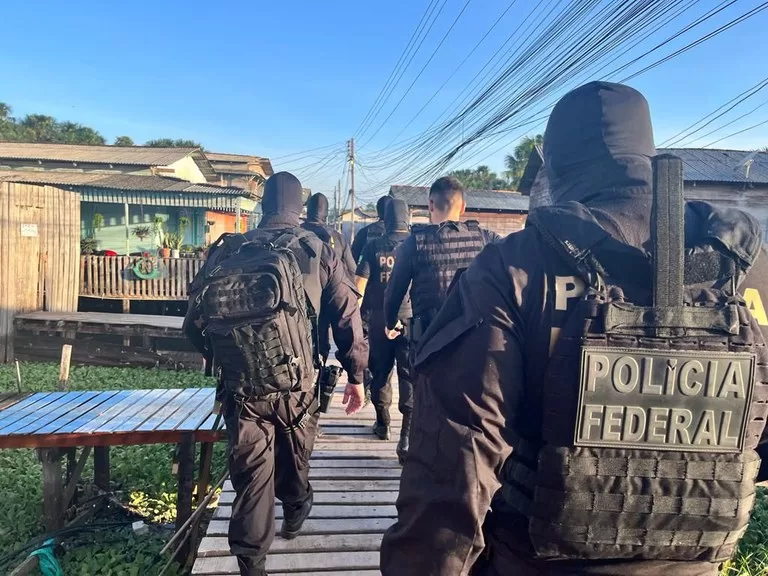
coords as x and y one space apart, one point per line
517 161
141 477
173 240
171 143
481 178
124 141
98 221
88 245
44 129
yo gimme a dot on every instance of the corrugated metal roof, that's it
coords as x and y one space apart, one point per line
130 182
490 200
736 166
124 155
239 162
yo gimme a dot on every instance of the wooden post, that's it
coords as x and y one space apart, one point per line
204 474
186 450
52 488
18 376
66 357
101 467
127 231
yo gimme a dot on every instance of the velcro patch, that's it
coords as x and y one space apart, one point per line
681 401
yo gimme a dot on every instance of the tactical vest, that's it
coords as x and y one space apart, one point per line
374 231
385 248
644 445
441 251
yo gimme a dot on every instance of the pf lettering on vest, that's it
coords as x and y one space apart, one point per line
664 400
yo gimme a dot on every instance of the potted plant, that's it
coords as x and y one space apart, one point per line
98 222
174 240
88 245
142 232
184 223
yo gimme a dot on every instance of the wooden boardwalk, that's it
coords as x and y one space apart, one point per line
356 478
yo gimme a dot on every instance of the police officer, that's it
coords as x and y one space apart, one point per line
317 217
268 453
641 464
317 222
431 257
373 271
371 231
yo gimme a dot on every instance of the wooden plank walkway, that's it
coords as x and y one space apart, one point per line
355 477
110 418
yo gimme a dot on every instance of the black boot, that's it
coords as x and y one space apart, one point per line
250 566
293 518
381 427
402 446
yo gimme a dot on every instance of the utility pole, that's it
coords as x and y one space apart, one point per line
351 147
339 207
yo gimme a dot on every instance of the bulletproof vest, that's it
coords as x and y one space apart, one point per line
441 251
643 447
308 257
385 248
374 231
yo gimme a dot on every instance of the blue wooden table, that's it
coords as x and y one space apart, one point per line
57 423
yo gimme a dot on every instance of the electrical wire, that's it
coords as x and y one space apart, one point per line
763 123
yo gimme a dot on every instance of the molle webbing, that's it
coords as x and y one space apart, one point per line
441 252
668 231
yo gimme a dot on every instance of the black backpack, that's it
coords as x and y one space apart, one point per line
257 316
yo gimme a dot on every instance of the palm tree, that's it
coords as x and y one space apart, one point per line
517 161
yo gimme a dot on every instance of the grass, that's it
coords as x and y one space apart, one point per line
141 478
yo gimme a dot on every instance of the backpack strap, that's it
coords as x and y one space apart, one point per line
667 231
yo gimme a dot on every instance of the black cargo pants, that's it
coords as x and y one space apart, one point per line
382 357
266 461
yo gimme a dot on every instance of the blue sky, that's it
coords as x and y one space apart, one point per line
274 78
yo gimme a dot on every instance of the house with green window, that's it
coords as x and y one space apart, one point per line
130 197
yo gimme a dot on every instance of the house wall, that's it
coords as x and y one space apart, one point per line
187 169
112 235
39 254
221 223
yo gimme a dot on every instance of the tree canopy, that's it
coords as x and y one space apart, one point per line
39 128
517 161
44 129
171 143
480 178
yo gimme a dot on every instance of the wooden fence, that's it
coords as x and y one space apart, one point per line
39 251
137 278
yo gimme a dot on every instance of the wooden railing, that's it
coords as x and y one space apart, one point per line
137 278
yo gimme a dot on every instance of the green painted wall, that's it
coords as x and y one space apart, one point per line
112 235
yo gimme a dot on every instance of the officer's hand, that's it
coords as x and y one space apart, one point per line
354 397
392 334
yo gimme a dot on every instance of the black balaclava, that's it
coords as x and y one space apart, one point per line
396 216
317 209
598 144
597 151
282 201
381 206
